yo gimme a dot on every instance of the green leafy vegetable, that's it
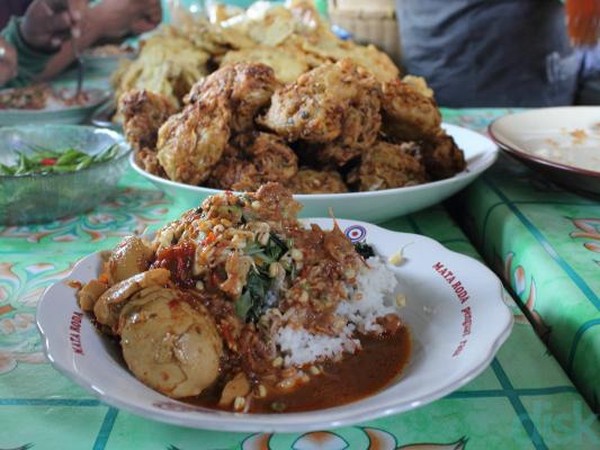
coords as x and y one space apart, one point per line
258 292
364 250
252 302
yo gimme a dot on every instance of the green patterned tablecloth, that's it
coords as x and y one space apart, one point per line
545 243
522 401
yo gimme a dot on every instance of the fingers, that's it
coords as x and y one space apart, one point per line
60 28
64 15
139 26
48 23
145 16
149 18
76 8
155 14
72 6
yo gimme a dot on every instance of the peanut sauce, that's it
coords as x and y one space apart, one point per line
355 377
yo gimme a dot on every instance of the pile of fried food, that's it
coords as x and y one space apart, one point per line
335 129
291 38
238 302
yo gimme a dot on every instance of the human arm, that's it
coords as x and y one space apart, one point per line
108 21
37 34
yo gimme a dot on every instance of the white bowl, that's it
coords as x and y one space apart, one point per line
559 142
454 309
375 206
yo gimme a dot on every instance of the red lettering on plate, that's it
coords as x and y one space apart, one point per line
75 332
460 348
467 321
462 295
461 292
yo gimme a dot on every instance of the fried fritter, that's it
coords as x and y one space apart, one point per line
143 113
330 101
287 64
167 63
271 156
253 159
230 170
442 157
244 88
362 120
327 155
310 181
419 84
191 142
147 159
375 61
386 166
409 114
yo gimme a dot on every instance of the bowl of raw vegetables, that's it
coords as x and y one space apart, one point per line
49 172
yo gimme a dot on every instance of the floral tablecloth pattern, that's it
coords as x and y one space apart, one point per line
523 400
544 241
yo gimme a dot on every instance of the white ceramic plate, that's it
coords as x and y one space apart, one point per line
560 142
56 112
377 206
454 309
107 59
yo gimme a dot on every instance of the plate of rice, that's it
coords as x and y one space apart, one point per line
239 316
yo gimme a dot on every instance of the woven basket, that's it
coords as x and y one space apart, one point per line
370 22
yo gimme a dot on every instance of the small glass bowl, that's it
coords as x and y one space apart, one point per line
29 199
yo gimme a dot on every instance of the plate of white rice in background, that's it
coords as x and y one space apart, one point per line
238 316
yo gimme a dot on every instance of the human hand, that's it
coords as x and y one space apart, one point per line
8 62
48 23
123 17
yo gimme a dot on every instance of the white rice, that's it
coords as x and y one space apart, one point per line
373 298
301 347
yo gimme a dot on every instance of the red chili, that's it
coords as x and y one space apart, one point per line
209 239
48 161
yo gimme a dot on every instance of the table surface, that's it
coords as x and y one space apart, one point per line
543 240
523 400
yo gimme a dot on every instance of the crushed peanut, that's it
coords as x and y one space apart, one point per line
239 403
400 300
278 362
262 391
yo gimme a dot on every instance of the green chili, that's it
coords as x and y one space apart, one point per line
45 161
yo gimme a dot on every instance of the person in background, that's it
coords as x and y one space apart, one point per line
8 62
9 8
104 22
28 42
484 53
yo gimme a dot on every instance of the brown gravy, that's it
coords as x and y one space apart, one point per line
355 377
